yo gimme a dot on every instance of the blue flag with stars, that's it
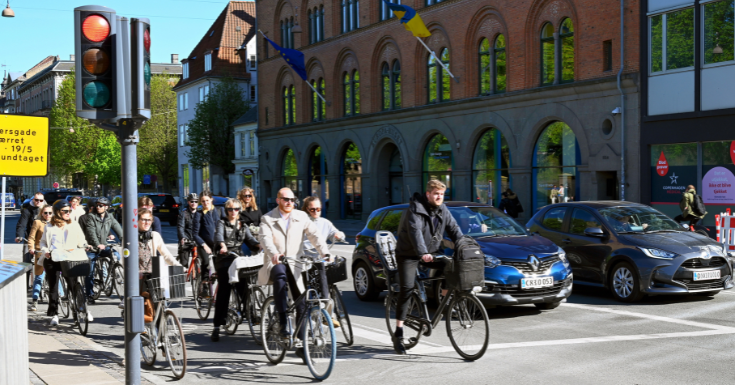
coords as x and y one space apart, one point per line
293 58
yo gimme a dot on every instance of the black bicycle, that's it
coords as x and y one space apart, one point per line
76 271
108 272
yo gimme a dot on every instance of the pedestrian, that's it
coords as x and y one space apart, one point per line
511 204
34 248
554 195
692 207
77 210
250 214
145 202
23 227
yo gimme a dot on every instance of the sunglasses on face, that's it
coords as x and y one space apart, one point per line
65 211
48 213
315 209
248 196
231 209
286 200
146 220
38 200
101 205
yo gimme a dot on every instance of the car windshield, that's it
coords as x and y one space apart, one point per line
638 219
485 221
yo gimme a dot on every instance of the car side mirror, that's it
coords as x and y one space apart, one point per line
594 232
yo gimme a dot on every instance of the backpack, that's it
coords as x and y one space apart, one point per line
698 206
467 248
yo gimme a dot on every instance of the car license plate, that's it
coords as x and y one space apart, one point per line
535 283
705 275
163 210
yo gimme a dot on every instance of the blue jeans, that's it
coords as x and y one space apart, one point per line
38 283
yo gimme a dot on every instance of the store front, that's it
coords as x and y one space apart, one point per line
555 160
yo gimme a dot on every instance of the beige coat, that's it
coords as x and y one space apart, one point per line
73 239
276 241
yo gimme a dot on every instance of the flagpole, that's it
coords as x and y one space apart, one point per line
307 82
456 79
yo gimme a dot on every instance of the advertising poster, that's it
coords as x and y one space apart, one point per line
717 186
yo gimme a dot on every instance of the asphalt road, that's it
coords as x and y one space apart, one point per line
589 339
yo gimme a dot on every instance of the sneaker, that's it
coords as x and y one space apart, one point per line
34 305
90 300
215 335
398 345
89 316
54 321
121 305
334 322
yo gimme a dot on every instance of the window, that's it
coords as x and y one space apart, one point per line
289 172
438 162
243 145
287 33
432 2
251 135
490 168
391 220
206 91
555 160
186 133
185 70
385 12
607 55
672 40
320 24
350 15
181 102
500 64
351 183
252 62
185 178
352 93
391 86
582 220
719 31
186 100
554 218
312 26
289 106
566 35
201 94
253 94
438 78
207 62
492 65
485 69
318 179
316 25
548 69
319 108
181 135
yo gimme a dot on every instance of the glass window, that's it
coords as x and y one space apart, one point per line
312 26
385 85
638 219
374 219
396 84
351 176
350 15
243 145
485 221
582 220
318 176
391 221
186 101
500 64
554 218
555 165
351 93
292 95
547 55
719 31
320 24
673 167
439 80
438 162
207 62
289 171
356 92
385 12
251 135
672 40
490 173
319 108
566 35
484 65
347 84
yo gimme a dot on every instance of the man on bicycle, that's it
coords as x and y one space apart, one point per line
27 216
282 233
97 230
420 234
185 228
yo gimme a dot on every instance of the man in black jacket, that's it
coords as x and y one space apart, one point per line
420 235
27 216
97 226
185 228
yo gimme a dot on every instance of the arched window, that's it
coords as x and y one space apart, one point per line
500 64
385 85
396 84
485 69
548 55
391 86
555 161
320 24
290 33
289 106
490 165
352 93
438 78
385 12
289 171
350 15
351 183
312 26
283 34
319 185
319 108
438 162
566 35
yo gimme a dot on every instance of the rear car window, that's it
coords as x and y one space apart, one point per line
373 221
554 218
391 220
581 220
161 199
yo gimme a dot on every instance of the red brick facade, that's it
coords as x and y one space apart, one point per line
455 24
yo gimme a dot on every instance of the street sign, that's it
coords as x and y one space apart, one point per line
56 184
23 145
247 172
146 179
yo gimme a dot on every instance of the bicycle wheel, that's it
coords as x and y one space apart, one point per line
203 305
342 315
320 347
412 331
118 280
98 279
148 345
109 281
253 309
44 294
233 313
174 344
270 335
80 304
64 300
468 326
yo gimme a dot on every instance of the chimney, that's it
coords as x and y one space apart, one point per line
71 57
174 58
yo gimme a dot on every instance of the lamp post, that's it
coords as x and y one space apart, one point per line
7 12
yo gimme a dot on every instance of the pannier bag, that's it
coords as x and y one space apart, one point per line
337 272
465 274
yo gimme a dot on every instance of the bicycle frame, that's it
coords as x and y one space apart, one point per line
310 297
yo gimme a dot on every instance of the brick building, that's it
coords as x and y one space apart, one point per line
537 103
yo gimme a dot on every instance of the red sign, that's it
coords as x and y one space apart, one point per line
662 166
732 151
56 184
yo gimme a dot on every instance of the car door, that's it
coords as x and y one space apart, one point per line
586 253
552 224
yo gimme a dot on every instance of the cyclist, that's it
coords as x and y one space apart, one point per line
420 234
150 244
282 233
77 210
250 214
145 202
325 228
185 228
25 223
205 226
34 247
230 235
61 234
97 230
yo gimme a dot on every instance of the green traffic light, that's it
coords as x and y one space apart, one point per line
96 94
147 73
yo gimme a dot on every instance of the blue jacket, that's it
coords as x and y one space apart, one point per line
205 226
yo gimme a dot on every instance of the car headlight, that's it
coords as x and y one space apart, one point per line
491 261
563 256
658 253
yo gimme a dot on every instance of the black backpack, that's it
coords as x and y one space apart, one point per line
467 248
698 206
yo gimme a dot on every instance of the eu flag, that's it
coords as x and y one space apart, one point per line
293 58
410 19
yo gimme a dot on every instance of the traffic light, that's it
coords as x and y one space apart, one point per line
140 57
95 40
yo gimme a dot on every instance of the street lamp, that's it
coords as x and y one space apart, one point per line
7 12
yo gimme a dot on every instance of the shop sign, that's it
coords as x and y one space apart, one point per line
717 186
662 166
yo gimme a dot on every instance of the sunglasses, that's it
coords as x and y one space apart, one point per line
315 210
232 209
48 213
248 196
38 200
100 205
288 200
145 220
65 211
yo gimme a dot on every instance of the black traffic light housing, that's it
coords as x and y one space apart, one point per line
140 57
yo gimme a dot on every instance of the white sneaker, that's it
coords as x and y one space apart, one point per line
89 316
54 321
34 305
121 305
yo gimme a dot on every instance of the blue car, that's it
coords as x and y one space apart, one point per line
10 201
520 268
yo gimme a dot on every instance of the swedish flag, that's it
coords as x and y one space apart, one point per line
410 19
294 58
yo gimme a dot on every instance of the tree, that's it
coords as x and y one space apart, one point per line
211 136
157 150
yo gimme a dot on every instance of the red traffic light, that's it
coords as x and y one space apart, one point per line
96 28
147 40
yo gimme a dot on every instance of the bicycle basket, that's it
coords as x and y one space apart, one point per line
337 272
176 288
72 269
465 274
387 254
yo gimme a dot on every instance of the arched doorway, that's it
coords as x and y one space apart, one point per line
389 184
555 160
289 171
490 165
351 183
318 183
438 162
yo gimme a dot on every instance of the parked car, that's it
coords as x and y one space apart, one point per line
164 207
52 195
520 268
10 201
634 250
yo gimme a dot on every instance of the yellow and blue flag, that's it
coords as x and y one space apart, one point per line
294 58
410 19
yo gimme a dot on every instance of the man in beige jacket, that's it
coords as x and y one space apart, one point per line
282 233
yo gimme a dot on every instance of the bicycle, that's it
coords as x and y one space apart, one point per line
106 271
76 271
465 316
165 331
320 347
337 272
253 303
200 283
45 294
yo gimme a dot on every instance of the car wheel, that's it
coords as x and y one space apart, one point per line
364 283
547 305
624 283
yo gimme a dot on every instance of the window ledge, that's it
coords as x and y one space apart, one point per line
720 64
668 72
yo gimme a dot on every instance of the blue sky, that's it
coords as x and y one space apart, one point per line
43 27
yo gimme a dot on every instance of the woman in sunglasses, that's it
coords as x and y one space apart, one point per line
34 247
230 235
250 214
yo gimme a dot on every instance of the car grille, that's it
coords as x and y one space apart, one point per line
516 292
526 268
698 263
704 285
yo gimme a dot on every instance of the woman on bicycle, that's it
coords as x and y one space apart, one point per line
150 244
64 235
230 235
205 226
250 214
34 247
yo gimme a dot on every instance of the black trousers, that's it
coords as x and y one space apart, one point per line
283 278
693 221
224 288
407 267
52 269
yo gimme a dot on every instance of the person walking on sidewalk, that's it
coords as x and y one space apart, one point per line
692 208
34 247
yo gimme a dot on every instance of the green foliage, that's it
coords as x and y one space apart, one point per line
157 153
290 168
438 155
719 31
680 39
